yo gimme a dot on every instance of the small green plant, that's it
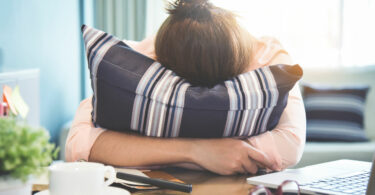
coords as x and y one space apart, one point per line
24 150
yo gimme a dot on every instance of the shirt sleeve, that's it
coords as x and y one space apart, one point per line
285 143
82 134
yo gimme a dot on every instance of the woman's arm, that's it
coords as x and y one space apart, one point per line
223 156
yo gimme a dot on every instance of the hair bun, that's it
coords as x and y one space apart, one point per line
193 9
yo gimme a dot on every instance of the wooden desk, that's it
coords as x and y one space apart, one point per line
205 183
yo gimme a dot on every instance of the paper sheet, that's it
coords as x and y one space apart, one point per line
7 98
19 103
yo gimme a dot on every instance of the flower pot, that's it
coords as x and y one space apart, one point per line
11 186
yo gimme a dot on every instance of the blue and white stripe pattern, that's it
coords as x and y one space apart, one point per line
252 98
135 93
159 102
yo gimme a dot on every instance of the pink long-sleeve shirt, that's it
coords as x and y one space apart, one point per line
284 144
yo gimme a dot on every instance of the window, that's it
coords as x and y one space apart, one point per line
316 33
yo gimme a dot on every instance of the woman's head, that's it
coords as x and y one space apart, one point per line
202 43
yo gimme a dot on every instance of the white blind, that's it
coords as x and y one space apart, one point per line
125 19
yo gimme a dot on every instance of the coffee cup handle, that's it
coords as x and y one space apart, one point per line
112 175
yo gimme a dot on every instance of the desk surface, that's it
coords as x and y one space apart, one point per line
205 183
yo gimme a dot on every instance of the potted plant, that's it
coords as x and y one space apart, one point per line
24 151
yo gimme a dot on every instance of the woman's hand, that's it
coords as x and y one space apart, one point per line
229 156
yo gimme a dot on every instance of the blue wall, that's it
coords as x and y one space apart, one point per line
45 34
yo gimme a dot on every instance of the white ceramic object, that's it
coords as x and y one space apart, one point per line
10 186
107 191
80 178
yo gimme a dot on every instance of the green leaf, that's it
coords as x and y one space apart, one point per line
24 150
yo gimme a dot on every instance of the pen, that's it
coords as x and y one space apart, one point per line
156 182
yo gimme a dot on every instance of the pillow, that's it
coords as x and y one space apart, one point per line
135 93
335 114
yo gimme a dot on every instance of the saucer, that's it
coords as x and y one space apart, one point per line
107 191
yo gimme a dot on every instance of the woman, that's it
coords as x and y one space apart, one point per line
205 45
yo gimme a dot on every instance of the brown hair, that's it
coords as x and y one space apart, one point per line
202 43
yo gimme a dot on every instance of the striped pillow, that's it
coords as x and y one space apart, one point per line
135 93
335 114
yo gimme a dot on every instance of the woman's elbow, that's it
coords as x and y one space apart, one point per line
76 146
294 153
294 159
71 149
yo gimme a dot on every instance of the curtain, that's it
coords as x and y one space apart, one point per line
125 19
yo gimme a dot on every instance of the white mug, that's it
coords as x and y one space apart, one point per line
79 178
